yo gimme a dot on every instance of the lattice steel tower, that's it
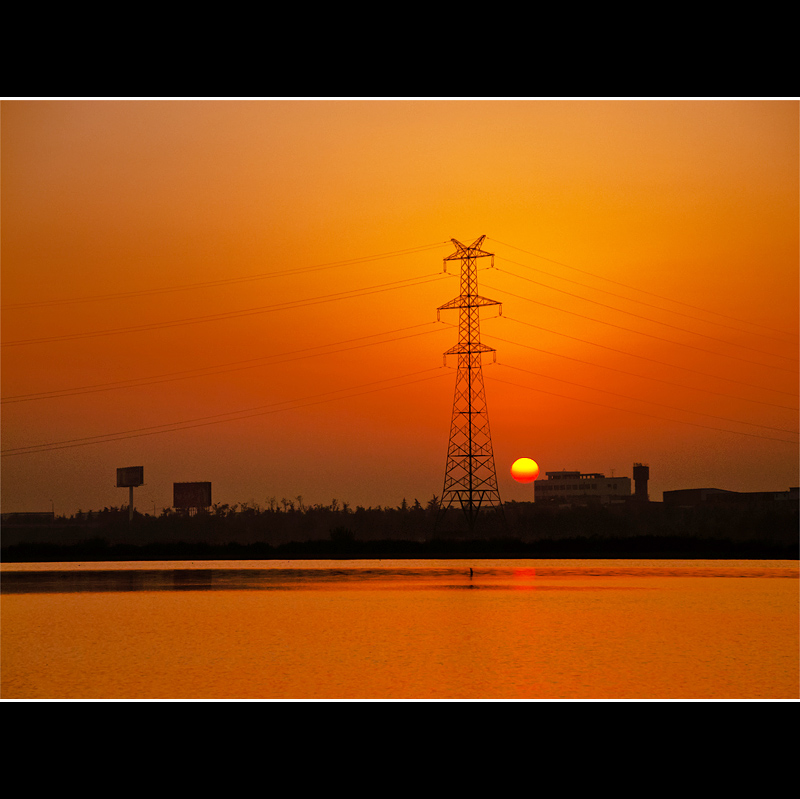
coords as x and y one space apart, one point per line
469 476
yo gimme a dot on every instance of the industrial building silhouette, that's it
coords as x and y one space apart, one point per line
691 497
571 487
579 488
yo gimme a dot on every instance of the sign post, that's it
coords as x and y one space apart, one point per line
130 477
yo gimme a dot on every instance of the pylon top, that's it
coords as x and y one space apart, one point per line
472 251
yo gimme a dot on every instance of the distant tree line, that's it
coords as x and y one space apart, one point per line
291 523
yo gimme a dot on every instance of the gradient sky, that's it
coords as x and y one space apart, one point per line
265 274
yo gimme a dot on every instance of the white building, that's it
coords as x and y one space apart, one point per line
570 486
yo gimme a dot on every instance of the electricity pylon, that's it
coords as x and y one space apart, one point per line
469 476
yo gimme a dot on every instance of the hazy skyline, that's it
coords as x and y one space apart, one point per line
190 262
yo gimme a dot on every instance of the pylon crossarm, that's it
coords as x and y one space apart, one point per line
469 348
468 301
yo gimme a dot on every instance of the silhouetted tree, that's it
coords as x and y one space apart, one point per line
342 534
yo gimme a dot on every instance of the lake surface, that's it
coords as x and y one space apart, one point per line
401 629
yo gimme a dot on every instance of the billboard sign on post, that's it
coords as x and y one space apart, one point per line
130 476
191 495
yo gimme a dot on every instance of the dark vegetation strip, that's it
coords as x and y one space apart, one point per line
656 547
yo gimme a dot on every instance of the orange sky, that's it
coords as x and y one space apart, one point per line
646 258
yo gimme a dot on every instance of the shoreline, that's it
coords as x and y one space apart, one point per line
581 548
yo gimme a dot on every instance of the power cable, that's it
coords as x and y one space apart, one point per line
225 368
649 319
639 302
640 413
224 281
652 360
633 374
651 402
283 306
639 332
204 421
643 291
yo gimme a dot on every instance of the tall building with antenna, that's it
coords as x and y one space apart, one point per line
470 480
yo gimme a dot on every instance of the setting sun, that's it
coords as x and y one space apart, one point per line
524 470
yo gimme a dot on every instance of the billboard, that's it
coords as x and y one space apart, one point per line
191 495
130 476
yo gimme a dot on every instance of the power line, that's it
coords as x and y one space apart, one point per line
237 365
640 413
639 332
652 360
639 302
650 293
204 421
225 368
651 402
283 306
649 319
223 281
645 377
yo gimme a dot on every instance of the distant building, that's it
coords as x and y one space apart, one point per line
26 519
689 497
641 474
569 487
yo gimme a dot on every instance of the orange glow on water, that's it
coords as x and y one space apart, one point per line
569 630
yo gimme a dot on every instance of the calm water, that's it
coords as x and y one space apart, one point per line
400 629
